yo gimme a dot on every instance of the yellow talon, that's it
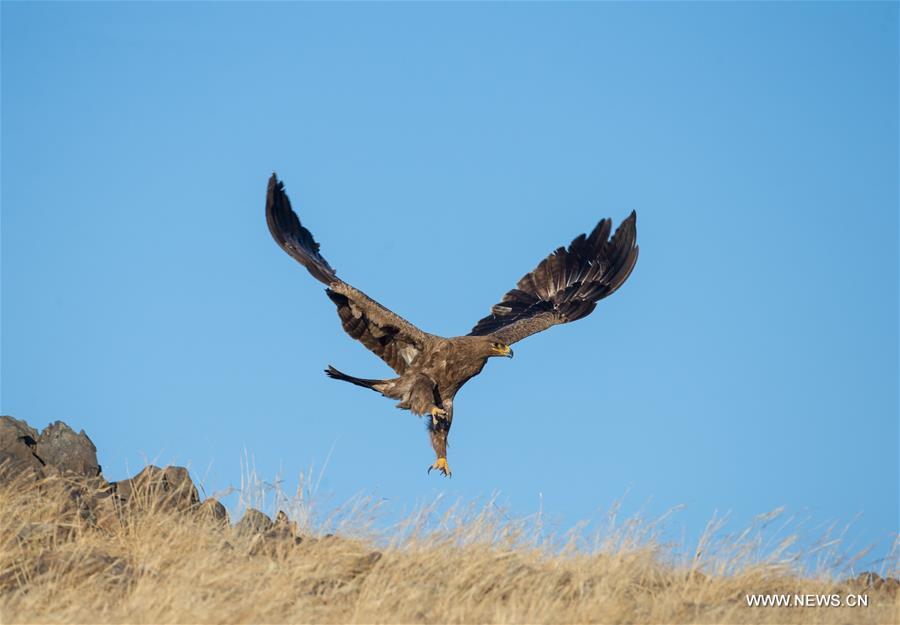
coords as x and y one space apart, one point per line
441 465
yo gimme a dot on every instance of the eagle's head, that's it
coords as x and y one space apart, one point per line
493 347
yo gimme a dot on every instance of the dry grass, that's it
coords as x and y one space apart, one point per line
60 564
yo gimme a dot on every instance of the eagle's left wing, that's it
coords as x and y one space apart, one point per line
566 285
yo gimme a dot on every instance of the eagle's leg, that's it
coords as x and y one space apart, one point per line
438 429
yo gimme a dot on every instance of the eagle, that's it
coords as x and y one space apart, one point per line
431 369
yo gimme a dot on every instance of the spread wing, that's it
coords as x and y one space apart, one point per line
566 285
391 337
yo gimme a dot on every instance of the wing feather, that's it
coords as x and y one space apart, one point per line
388 335
290 234
566 285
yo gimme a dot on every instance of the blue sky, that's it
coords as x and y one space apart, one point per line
438 152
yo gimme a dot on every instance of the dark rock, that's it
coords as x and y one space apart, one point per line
17 445
61 463
283 522
65 464
278 540
58 449
253 522
282 533
158 489
276 543
213 510
59 446
12 467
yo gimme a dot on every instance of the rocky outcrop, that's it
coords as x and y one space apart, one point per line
274 539
82 493
57 449
83 498
59 446
170 488
212 510
253 522
18 442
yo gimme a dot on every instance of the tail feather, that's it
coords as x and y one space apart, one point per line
334 374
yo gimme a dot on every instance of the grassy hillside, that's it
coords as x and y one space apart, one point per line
69 555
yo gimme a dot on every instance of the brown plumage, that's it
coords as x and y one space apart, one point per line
431 369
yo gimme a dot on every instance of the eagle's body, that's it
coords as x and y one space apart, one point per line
431 369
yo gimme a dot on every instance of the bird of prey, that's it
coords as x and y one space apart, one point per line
431 369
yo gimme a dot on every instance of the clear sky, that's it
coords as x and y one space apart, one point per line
438 152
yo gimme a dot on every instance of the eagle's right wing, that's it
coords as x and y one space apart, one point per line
566 285
388 335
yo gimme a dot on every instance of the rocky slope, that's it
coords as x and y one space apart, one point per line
76 548
68 460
